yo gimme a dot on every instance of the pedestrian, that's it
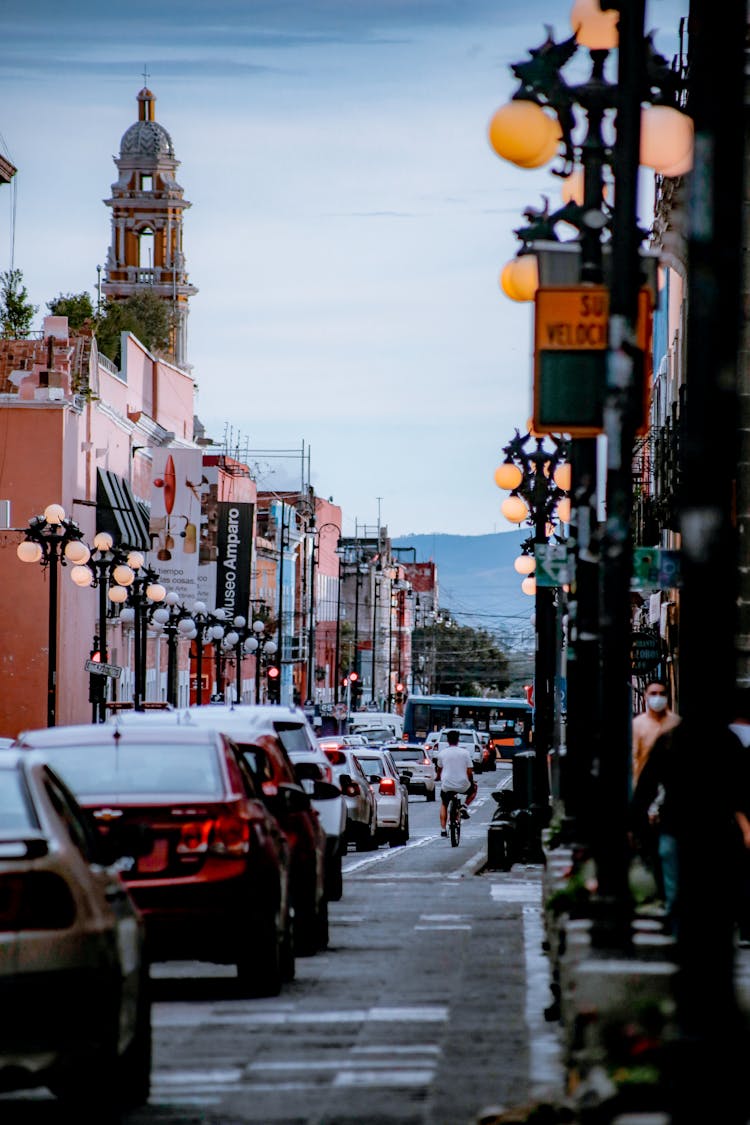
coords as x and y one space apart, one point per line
650 723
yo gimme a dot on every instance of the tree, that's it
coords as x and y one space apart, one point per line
459 660
76 306
144 314
16 311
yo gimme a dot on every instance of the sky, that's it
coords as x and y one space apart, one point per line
349 221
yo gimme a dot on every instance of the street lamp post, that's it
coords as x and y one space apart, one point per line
315 534
263 647
535 478
375 596
176 621
52 539
137 585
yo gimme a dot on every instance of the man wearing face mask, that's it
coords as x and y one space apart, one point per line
654 721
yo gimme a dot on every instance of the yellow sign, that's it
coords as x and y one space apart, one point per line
570 365
572 319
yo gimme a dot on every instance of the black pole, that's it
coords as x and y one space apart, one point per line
199 665
171 631
54 556
355 662
137 649
281 596
311 634
390 648
376 591
100 707
712 1050
337 657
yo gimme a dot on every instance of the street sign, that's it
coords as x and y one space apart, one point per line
551 564
570 358
646 651
99 669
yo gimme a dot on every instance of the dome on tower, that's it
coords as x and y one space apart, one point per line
146 137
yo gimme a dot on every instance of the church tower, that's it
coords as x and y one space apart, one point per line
147 203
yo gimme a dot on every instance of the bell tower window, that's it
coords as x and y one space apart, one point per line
146 249
147 182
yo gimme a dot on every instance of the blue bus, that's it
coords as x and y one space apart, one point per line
507 721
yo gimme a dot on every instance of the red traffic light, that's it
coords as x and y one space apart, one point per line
96 657
354 676
272 672
399 687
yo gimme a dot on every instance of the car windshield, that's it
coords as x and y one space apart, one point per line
143 767
377 734
15 812
414 754
293 738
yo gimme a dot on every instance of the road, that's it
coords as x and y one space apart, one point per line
427 1006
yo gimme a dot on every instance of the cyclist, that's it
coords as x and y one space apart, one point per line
455 772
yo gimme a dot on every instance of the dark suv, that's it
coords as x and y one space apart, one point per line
212 882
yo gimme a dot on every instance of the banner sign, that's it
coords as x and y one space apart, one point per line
234 557
175 518
655 568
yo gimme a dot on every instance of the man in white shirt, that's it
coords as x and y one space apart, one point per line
455 772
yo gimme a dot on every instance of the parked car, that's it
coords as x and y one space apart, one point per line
214 883
469 739
290 727
361 808
391 797
489 755
5 743
415 767
74 981
278 786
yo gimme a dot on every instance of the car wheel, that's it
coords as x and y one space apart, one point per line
372 840
306 928
334 878
259 964
89 1089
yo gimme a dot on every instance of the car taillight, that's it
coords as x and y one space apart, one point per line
388 787
194 836
231 835
270 789
35 900
426 761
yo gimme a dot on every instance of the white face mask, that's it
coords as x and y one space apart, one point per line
656 702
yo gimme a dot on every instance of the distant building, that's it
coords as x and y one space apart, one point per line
146 249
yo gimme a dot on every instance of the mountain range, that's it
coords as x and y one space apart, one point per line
477 583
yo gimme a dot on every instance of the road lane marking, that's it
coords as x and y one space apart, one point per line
376 1078
423 1014
545 1059
437 927
381 857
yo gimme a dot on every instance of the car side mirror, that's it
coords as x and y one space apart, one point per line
325 791
344 781
294 798
374 779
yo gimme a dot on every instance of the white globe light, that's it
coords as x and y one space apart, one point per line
514 509
77 552
157 627
127 615
82 576
200 607
529 585
123 575
270 647
29 552
232 638
524 564
103 541
187 625
251 644
172 598
161 615
220 614
563 510
217 632
192 634
136 560
54 513
667 138
258 626
156 592
240 622
118 594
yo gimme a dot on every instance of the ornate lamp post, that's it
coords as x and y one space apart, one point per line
263 649
535 477
97 573
138 586
52 539
173 619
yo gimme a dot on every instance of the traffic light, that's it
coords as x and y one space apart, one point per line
399 696
274 683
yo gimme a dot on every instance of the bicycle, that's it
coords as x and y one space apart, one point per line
454 819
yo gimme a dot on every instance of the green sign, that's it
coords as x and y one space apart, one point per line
655 568
551 564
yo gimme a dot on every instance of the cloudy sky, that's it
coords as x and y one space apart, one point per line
349 220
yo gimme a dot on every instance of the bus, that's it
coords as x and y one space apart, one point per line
507 721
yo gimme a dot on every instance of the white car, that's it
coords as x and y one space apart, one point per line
415 767
391 795
469 739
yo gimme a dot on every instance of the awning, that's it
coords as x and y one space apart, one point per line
119 513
